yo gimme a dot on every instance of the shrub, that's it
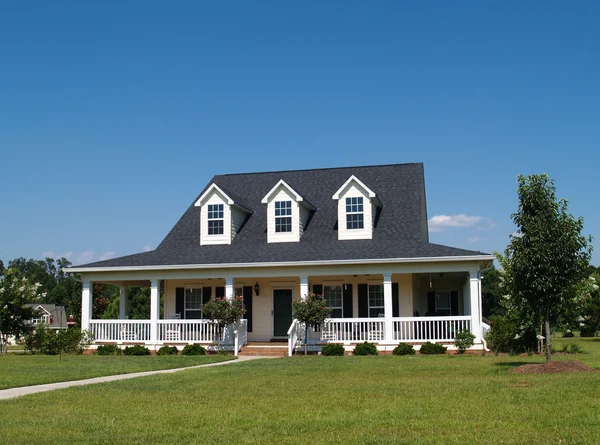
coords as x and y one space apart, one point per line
108 350
44 340
568 334
136 350
588 330
463 340
404 349
507 335
332 349
432 349
366 349
194 349
167 350
571 348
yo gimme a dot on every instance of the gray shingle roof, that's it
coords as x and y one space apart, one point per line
398 233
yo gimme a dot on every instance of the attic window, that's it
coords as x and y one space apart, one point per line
215 219
283 216
354 213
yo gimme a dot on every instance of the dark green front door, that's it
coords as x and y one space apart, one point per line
282 312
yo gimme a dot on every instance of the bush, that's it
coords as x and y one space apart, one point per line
432 349
108 350
332 349
167 350
136 350
568 334
506 335
404 349
366 349
588 330
44 340
463 340
571 348
194 349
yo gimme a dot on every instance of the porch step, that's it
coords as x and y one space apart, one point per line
266 350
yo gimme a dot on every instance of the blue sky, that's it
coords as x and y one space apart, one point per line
114 115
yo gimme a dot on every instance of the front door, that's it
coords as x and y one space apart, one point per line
282 312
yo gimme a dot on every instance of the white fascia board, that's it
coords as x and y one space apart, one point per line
284 264
42 308
282 183
213 187
353 178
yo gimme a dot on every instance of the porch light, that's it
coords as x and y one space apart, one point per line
256 289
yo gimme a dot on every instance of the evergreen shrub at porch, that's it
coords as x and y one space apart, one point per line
167 350
194 349
432 349
366 349
404 349
136 350
509 334
108 350
333 349
464 340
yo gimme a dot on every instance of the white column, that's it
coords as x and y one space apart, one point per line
154 309
122 302
387 304
304 287
475 297
229 288
86 305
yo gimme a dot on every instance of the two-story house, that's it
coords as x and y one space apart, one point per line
357 235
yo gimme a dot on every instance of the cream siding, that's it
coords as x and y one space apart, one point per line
405 293
225 238
285 237
353 190
304 214
237 219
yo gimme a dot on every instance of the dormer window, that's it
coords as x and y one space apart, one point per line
357 210
215 219
283 216
287 212
355 213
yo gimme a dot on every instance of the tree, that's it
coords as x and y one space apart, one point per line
224 311
310 311
590 314
16 291
548 257
491 292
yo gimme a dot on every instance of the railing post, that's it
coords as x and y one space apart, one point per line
388 308
304 287
229 288
122 302
86 304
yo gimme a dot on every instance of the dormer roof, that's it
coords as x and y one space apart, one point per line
230 198
353 179
294 193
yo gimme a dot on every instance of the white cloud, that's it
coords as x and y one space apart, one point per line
76 258
474 239
48 254
84 257
52 254
107 256
440 223
147 248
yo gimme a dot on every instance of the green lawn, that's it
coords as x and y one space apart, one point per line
371 400
24 370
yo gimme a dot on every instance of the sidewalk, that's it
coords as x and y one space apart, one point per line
25 390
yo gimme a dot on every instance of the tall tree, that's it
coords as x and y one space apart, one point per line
491 293
548 257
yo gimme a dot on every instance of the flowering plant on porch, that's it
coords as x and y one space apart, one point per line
312 310
224 311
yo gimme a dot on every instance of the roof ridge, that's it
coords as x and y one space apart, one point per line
318 169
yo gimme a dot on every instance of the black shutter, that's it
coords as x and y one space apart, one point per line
248 303
220 292
206 293
180 301
430 303
454 302
317 289
347 300
395 300
363 300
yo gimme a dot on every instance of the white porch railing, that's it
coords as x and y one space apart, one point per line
430 328
352 330
240 336
121 330
292 337
188 331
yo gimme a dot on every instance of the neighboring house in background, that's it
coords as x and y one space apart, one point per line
357 235
53 316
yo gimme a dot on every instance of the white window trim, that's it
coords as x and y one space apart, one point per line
369 298
449 291
362 204
341 286
185 297
290 215
209 219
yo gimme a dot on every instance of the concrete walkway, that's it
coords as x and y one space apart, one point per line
24 390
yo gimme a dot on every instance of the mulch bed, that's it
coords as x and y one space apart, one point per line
553 368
